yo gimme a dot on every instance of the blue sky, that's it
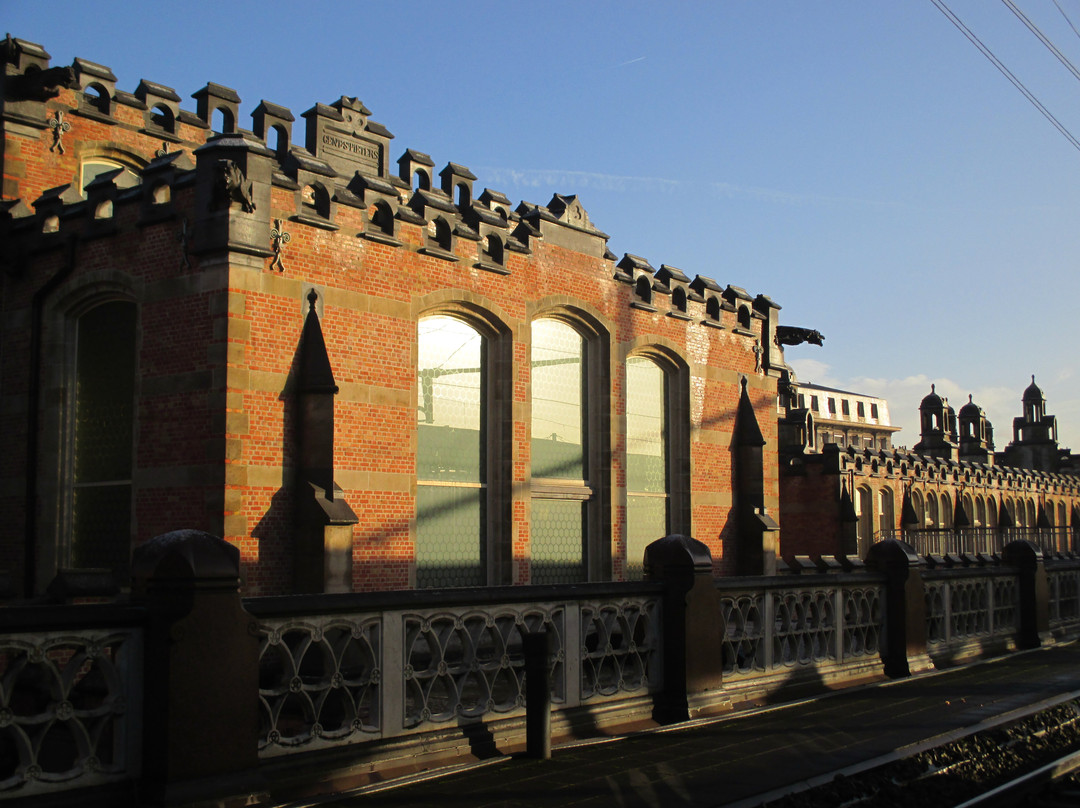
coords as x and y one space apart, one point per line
858 161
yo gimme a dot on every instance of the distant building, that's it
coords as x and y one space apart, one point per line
951 491
817 415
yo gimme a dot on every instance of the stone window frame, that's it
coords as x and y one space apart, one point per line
596 333
55 477
497 329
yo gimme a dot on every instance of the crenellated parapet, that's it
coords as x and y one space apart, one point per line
338 175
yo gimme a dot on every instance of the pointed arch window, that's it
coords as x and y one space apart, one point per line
103 427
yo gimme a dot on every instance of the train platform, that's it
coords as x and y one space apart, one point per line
750 757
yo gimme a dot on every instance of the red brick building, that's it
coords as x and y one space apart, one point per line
366 376
953 494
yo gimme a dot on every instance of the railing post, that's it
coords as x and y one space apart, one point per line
536 646
904 650
1034 595
201 671
692 625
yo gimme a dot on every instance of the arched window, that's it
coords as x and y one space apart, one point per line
946 511
451 447
647 455
864 508
421 181
95 166
103 438
568 528
886 512
919 508
932 519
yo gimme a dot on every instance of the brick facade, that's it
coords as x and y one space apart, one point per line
191 236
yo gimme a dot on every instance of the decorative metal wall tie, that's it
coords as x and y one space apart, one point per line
164 150
59 126
278 238
182 237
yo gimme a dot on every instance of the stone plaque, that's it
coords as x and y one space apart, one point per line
363 155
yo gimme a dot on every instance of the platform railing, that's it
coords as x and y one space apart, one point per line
780 625
335 670
193 692
70 698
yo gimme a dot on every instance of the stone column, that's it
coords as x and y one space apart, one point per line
1034 594
904 649
201 671
692 625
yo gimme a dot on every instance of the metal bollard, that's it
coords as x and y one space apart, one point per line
536 646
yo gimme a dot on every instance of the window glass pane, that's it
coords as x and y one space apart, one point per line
104 393
450 467
646 521
557 401
102 528
558 541
646 460
449 443
449 522
103 437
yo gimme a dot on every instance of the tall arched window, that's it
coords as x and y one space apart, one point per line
886 513
647 456
864 508
565 464
103 438
451 452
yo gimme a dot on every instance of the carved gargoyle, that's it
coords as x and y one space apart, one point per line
791 335
233 186
41 85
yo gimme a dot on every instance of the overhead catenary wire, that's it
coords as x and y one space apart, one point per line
974 40
1020 15
1066 16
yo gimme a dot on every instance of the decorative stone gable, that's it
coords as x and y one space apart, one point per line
342 135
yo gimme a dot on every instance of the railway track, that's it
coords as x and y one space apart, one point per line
1033 760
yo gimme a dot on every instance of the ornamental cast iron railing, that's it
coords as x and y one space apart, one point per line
773 625
332 679
70 702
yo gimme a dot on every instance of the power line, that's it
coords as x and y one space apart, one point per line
974 40
1042 37
1066 16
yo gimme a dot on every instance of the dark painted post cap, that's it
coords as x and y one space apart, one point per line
892 554
1022 553
676 554
185 554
